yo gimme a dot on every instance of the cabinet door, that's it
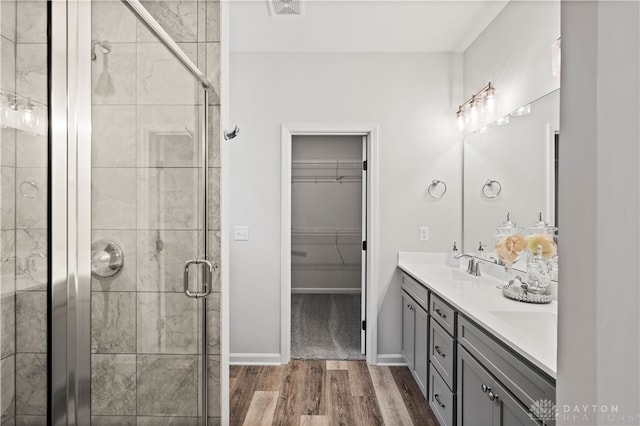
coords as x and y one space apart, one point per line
474 384
508 411
421 361
408 329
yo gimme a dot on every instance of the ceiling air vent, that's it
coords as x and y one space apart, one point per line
285 7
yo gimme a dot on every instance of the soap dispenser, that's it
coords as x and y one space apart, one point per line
454 262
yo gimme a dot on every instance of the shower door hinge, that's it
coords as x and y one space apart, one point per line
364 245
364 165
364 325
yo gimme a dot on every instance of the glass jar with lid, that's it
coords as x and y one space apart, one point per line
509 242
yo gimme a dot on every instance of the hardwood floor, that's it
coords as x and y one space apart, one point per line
326 393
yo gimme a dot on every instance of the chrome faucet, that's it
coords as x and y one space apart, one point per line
473 267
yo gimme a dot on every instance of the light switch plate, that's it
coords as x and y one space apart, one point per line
241 233
424 233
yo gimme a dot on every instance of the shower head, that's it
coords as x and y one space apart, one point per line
104 85
105 48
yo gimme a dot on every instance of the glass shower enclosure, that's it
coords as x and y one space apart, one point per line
110 212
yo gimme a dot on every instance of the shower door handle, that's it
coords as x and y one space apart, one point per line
208 277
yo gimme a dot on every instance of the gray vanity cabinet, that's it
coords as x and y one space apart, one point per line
415 332
408 330
483 401
421 360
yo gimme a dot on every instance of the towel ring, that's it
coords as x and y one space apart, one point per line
29 189
434 184
489 183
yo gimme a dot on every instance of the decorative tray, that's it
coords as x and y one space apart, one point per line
518 290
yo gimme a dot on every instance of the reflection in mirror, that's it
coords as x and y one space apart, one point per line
510 166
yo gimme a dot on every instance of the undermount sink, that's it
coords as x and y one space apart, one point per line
536 325
459 275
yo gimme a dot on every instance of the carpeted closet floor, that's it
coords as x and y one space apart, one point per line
325 326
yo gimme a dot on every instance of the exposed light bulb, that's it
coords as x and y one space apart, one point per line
502 121
522 111
460 119
490 99
27 114
473 110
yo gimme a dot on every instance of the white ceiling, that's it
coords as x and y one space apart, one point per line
361 26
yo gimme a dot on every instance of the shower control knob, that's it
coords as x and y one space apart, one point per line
107 258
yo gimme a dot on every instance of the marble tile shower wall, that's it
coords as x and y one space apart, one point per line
145 332
23 220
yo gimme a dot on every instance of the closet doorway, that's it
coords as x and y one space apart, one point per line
327 234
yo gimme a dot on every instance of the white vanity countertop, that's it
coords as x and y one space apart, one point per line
529 329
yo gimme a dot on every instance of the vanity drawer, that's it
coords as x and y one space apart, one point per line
442 354
441 399
419 293
523 380
444 314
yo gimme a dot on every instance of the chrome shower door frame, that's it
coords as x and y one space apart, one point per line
69 375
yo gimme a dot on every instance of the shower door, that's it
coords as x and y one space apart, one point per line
144 271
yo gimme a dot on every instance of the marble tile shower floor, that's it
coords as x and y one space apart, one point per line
325 326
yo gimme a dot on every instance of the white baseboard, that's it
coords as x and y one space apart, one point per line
326 290
391 360
254 359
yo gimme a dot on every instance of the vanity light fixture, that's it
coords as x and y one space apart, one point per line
22 113
471 111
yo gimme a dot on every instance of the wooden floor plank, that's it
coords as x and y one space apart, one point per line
336 365
307 393
290 388
242 395
340 405
315 421
312 401
416 404
392 407
235 370
359 379
262 408
367 411
232 384
271 378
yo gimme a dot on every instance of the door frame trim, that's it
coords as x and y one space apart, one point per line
371 131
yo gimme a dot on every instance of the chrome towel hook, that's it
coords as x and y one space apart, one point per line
433 185
231 134
488 184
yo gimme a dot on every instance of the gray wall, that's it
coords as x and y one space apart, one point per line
411 96
145 196
599 322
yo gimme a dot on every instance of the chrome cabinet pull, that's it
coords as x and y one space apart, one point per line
437 398
439 312
485 388
208 278
437 349
493 396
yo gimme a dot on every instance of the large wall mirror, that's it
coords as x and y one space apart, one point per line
510 166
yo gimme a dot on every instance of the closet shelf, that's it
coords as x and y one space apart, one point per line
325 231
327 164
326 171
326 267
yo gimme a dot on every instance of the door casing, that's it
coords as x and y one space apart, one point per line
370 131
